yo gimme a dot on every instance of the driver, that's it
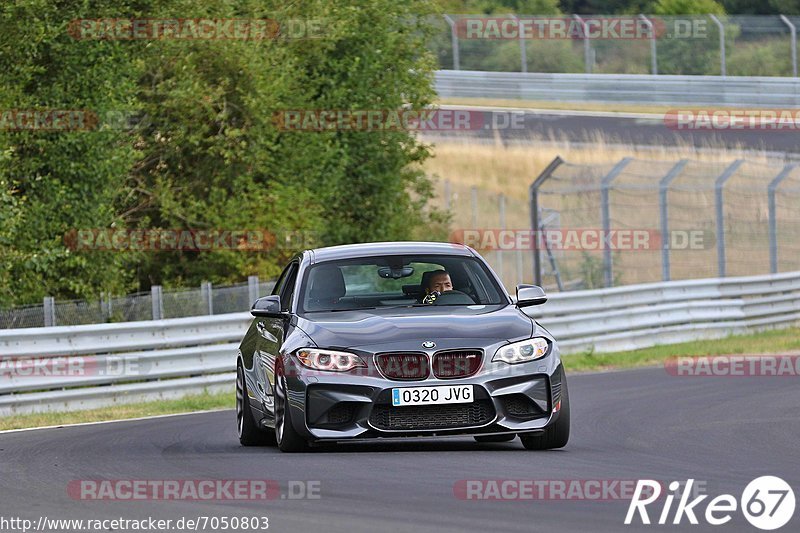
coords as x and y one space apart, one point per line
439 281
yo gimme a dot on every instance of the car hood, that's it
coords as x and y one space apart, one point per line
376 327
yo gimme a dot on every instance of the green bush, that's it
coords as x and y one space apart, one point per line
206 153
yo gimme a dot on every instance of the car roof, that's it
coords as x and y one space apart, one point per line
349 251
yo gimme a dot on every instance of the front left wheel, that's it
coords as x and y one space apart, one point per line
556 435
249 433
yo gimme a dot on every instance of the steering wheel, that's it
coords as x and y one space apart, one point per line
454 297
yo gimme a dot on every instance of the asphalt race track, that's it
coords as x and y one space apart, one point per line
616 128
626 426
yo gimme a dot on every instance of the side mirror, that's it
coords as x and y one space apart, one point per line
530 295
267 306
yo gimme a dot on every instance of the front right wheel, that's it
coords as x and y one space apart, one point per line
556 435
249 433
287 437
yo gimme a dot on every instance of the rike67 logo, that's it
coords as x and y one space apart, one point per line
767 502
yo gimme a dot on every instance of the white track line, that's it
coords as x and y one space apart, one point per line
59 426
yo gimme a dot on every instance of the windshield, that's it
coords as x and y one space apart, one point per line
399 281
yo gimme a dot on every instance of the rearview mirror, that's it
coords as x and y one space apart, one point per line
395 273
267 306
530 295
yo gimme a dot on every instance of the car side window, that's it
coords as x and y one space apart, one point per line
289 282
279 285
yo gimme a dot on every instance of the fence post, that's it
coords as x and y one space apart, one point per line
533 201
773 218
653 51
474 206
587 47
501 207
447 195
208 296
663 206
105 305
523 53
454 41
722 61
252 288
157 301
793 33
605 186
49 307
718 186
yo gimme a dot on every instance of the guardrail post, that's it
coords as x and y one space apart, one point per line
718 186
587 47
793 33
253 291
49 308
605 187
773 219
208 297
157 301
722 61
533 200
454 41
663 206
653 51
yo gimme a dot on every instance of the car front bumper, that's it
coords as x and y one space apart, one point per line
507 399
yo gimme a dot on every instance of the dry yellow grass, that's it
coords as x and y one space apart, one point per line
494 169
510 169
614 107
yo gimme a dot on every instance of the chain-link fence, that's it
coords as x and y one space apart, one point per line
153 305
635 221
733 45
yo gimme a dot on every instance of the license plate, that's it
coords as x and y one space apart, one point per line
432 395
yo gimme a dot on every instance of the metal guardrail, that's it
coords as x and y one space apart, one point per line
137 361
622 88
638 316
80 367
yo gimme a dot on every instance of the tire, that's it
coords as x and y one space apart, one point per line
285 435
249 433
495 438
556 435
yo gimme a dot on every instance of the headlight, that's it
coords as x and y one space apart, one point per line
329 360
524 351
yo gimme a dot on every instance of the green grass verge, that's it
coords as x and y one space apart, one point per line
199 402
768 342
778 341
